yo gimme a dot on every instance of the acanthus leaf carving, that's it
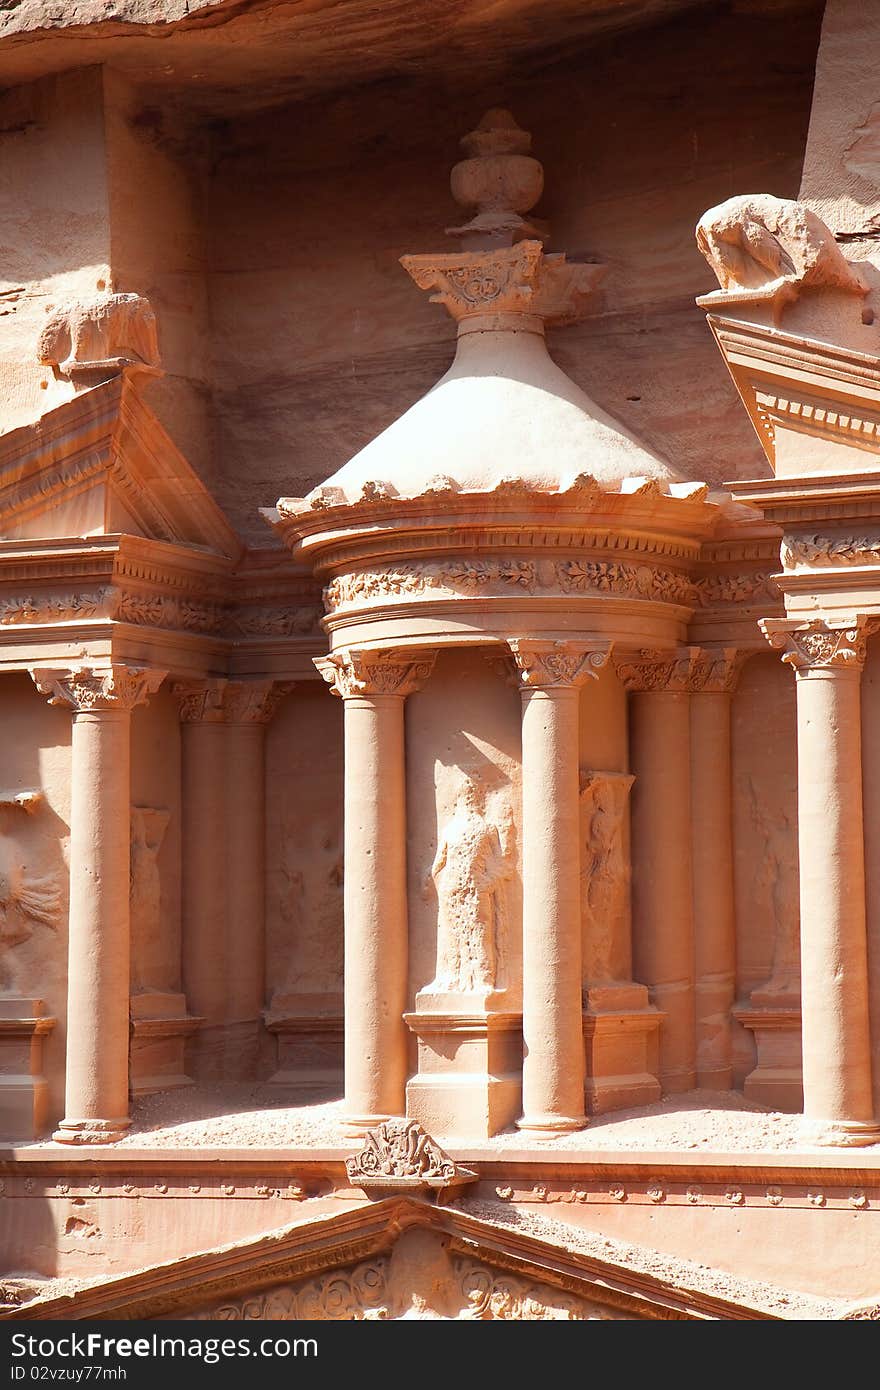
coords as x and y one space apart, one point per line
220 701
819 645
547 664
86 688
390 671
680 669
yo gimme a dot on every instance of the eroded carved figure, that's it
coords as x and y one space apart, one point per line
310 907
605 870
148 826
764 244
776 887
27 899
109 329
470 872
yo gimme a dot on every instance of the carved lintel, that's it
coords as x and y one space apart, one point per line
87 689
819 645
543 664
399 1156
392 671
221 701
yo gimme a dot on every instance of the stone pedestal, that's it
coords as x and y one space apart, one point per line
160 1027
309 1029
621 1047
777 1080
24 1093
470 1064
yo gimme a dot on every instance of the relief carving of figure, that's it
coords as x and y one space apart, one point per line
777 888
99 331
470 872
148 826
310 908
26 899
605 871
770 245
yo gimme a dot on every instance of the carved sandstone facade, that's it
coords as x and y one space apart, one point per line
440 697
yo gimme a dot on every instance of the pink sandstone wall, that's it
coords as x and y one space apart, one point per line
155 784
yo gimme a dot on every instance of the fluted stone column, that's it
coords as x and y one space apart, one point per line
828 662
663 922
550 674
713 678
96 1091
374 686
224 797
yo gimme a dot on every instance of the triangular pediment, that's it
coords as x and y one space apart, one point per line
102 464
400 1258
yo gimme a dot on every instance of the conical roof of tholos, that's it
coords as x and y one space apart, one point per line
504 410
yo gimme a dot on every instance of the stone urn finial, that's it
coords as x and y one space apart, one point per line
500 180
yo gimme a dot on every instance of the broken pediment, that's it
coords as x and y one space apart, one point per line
101 464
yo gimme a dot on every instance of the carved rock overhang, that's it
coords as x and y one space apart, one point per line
450 566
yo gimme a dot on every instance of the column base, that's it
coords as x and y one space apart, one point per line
620 1041
24 1092
470 1064
551 1126
777 1080
91 1131
845 1134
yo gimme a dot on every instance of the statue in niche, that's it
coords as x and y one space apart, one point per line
605 871
148 826
27 899
777 889
470 872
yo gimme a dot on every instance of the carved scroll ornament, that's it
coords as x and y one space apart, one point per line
399 1151
87 689
818 645
548 665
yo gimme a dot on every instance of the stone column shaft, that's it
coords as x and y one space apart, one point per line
224 906
553 1060
96 1090
838 1099
374 686
713 885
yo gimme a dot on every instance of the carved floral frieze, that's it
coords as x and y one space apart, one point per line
828 550
508 575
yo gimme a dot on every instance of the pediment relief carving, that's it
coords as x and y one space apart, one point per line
422 1277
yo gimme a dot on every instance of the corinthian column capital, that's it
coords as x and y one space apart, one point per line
819 645
85 689
543 664
221 701
680 670
391 671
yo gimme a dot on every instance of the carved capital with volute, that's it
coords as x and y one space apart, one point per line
221 701
819 645
548 665
390 671
90 689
